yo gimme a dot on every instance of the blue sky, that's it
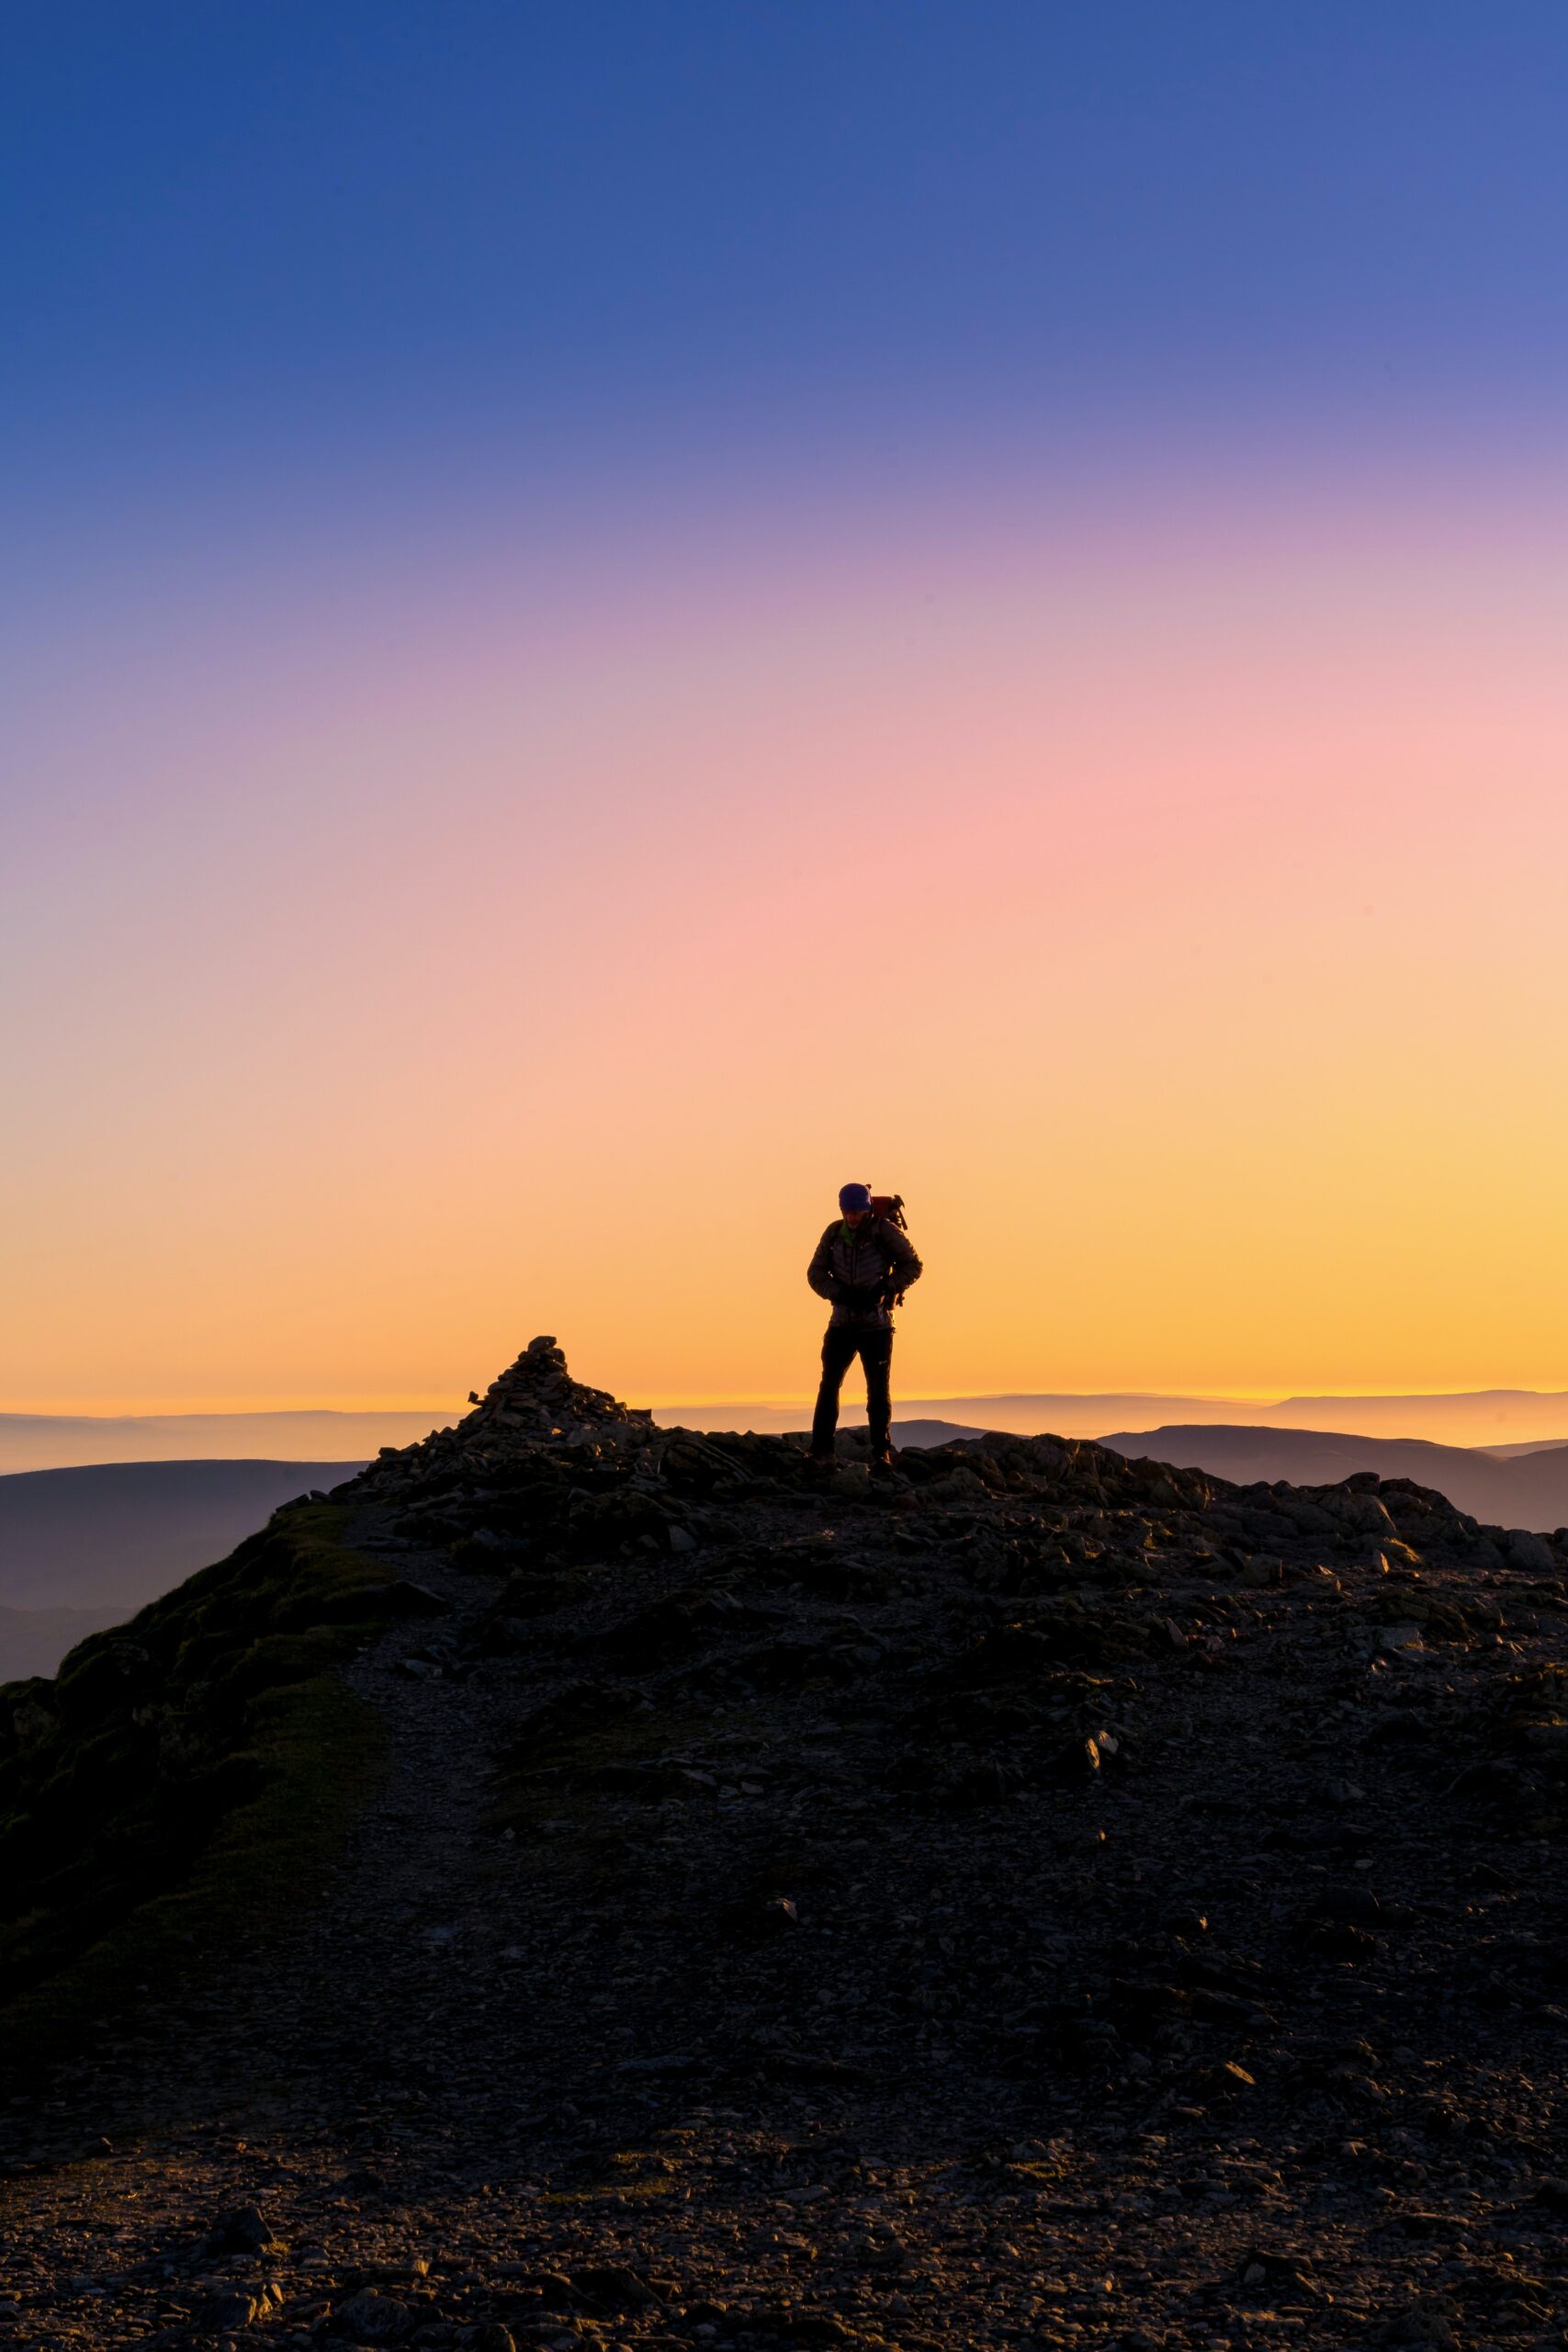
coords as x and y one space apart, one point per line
306 233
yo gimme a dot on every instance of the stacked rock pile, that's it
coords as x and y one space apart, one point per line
535 1402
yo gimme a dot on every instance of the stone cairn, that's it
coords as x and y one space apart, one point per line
536 1402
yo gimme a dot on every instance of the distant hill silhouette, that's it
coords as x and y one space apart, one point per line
79 1549
117 1534
924 1433
1524 1489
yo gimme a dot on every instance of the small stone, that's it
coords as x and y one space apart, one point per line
1425 2323
775 1915
244 2229
370 2318
1078 1759
233 2308
616 2288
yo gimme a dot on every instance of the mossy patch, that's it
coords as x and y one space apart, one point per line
187 1776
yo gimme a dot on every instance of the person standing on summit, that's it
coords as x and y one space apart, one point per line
863 1263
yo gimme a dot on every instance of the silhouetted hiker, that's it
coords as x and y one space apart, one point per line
863 1262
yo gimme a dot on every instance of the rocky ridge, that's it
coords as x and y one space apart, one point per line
1041 1898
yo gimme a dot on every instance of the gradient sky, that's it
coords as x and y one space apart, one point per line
615 613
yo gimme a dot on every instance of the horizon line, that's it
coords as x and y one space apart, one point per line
775 1401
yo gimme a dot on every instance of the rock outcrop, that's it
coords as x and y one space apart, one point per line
1037 1899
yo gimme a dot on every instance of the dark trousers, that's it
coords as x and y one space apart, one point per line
843 1342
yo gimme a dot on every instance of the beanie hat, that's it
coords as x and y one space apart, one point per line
854 1196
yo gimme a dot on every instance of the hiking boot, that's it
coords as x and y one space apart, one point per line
884 1461
822 1461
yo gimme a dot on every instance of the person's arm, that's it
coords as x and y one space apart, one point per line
819 1273
902 1260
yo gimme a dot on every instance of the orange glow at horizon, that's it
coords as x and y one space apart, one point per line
1172 915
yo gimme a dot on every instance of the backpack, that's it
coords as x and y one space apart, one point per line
889 1207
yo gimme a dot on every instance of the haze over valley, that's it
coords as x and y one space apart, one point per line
1493 1417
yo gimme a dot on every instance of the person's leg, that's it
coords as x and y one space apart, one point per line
837 1355
876 1354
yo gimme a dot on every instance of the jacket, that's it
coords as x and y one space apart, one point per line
860 1268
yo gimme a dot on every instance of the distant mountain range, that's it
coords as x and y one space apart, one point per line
60 1441
1528 1488
1488 1417
1485 1416
1494 1418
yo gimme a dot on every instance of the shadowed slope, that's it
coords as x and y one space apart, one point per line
178 1762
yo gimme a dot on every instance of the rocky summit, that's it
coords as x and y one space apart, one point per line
583 1884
